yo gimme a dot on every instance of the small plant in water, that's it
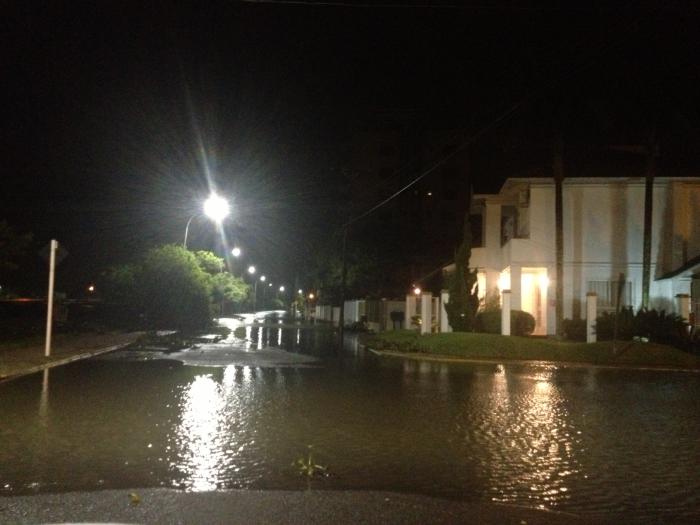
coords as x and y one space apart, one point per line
306 465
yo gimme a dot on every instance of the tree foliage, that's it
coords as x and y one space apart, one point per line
172 287
463 286
13 246
209 262
325 273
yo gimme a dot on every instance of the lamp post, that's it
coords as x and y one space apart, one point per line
215 207
262 278
251 271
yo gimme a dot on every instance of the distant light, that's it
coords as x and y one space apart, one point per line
216 208
430 194
270 284
251 270
300 291
91 288
262 278
416 290
236 252
311 296
281 288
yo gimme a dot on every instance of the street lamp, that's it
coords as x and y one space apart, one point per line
282 288
236 252
215 207
251 271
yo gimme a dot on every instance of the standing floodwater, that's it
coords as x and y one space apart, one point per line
600 443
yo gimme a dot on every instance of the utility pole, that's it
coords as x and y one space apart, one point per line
652 152
49 300
343 284
558 169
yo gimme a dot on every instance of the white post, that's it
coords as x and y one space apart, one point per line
426 313
591 315
49 298
410 310
505 313
444 321
683 306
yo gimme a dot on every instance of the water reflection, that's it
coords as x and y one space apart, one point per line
199 436
528 440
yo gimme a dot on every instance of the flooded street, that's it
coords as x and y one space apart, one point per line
241 412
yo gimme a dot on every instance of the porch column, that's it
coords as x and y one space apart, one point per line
516 280
505 312
426 312
683 306
410 310
591 315
444 321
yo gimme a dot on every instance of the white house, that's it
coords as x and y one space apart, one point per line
603 237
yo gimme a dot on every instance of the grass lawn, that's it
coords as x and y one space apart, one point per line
491 346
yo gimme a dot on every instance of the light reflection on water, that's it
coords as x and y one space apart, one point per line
600 443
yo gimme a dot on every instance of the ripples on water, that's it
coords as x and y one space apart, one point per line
597 442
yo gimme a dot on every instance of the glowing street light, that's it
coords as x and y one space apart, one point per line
300 291
251 270
282 288
262 278
91 288
236 252
416 290
215 207
311 296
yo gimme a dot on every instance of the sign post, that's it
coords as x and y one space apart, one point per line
49 299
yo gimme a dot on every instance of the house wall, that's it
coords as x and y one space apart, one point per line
603 237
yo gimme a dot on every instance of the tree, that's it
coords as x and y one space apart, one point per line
209 262
173 289
226 287
13 247
463 286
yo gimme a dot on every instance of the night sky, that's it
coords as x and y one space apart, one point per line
119 118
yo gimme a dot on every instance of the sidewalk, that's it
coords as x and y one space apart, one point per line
21 359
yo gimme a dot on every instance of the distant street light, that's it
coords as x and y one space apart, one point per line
262 278
416 291
251 271
91 288
236 252
300 291
281 288
215 207
311 296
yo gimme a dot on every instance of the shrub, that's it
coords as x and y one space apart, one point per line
489 321
657 326
575 329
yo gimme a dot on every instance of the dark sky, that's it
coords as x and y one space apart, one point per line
118 118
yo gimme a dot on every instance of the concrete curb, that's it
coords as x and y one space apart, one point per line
66 360
564 364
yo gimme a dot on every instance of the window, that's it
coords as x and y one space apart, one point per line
607 293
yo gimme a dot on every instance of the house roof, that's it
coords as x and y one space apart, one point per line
513 182
691 266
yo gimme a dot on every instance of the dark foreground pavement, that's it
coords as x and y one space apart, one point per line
269 507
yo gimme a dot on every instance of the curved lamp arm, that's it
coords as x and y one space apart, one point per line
187 229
